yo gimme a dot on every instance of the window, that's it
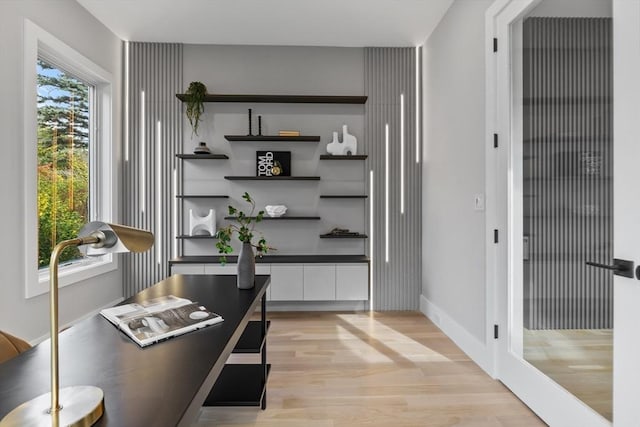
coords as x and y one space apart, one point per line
68 157
64 141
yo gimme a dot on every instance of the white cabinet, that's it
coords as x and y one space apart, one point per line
187 269
352 282
300 282
222 270
286 282
319 282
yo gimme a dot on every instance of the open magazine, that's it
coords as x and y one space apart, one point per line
160 318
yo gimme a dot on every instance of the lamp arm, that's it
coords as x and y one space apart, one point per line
53 307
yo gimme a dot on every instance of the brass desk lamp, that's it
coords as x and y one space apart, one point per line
75 405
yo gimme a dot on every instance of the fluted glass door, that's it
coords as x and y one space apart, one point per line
565 198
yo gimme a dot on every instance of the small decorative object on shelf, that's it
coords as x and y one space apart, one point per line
259 125
202 149
244 226
250 130
206 223
195 104
348 145
273 163
289 133
275 211
343 232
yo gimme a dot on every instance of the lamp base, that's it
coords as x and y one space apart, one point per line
82 406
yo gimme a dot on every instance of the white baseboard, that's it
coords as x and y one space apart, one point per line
73 322
478 351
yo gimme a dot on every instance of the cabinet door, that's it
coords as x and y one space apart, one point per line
286 282
221 270
232 270
352 282
187 269
319 282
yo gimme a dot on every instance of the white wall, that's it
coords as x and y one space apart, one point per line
70 23
454 288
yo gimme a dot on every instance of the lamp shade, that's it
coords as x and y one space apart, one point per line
114 238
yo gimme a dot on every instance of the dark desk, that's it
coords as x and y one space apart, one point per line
164 384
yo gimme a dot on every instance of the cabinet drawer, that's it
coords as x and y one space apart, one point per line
319 282
352 282
286 282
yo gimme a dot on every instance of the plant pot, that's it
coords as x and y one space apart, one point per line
246 267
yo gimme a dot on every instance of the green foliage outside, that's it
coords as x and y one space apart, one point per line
63 160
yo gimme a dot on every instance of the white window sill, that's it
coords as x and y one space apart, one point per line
73 273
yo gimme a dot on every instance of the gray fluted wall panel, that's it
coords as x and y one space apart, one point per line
568 170
390 72
151 140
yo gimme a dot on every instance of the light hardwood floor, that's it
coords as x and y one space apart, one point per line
580 360
382 369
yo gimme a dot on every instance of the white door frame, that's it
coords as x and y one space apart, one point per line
550 401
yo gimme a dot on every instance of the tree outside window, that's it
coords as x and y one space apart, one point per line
63 159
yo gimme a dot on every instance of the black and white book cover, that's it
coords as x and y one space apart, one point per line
273 163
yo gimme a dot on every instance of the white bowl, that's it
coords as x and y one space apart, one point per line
275 211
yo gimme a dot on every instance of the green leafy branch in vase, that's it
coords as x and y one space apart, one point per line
244 227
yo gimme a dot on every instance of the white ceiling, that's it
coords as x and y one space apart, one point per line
272 22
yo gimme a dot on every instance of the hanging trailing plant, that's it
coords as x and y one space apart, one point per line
195 104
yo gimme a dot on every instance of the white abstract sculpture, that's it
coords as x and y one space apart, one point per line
275 211
202 223
349 144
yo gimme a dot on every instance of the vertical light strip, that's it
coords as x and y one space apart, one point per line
402 160
386 192
142 154
371 193
127 77
175 212
159 193
417 104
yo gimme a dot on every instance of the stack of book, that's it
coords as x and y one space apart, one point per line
289 133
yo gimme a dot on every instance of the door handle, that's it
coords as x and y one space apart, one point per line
620 267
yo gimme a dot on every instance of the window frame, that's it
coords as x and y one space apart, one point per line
38 43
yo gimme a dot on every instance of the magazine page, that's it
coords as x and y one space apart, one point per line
160 318
120 313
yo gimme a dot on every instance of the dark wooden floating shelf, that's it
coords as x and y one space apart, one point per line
343 236
254 138
292 99
343 196
343 157
239 385
271 218
197 236
272 178
201 196
202 156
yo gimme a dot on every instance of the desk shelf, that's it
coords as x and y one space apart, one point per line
239 385
252 339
